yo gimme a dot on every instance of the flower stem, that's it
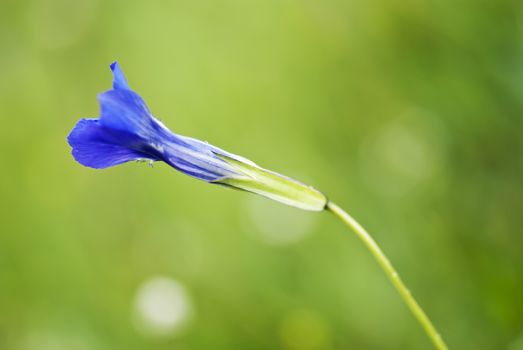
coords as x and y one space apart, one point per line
391 273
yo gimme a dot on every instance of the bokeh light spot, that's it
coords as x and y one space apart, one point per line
304 330
402 154
162 307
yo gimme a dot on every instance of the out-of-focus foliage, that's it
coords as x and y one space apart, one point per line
407 113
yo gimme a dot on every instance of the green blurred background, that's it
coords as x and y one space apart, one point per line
407 113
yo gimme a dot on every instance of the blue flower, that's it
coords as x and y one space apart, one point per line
126 130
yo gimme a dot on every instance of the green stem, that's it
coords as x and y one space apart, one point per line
391 274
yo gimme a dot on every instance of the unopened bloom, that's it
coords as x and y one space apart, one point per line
126 130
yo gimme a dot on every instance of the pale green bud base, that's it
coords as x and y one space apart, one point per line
273 185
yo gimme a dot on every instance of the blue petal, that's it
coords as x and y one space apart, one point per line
125 110
127 131
93 146
119 81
